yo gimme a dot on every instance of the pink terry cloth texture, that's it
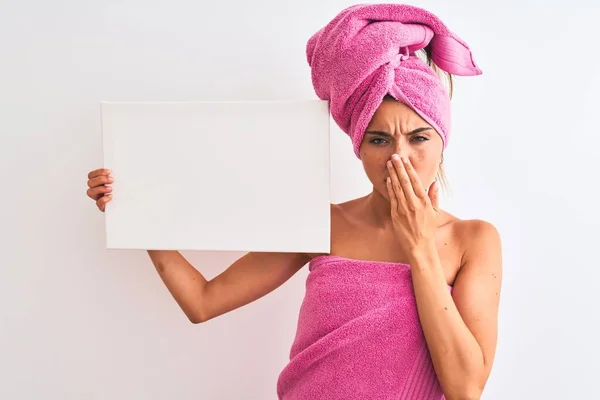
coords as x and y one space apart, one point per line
368 51
359 336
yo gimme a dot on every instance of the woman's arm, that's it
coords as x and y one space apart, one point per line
461 328
249 278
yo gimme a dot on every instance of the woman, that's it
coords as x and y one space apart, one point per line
406 304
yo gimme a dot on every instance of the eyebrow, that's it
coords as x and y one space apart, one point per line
413 132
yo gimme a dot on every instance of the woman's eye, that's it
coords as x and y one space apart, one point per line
378 141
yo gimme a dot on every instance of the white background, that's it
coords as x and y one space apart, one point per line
80 322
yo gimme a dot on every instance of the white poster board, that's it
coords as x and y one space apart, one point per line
235 176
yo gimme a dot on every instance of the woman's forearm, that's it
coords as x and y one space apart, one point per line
456 354
185 283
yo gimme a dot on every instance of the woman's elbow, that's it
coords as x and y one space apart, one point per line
196 320
197 316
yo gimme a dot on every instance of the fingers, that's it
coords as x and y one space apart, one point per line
98 192
101 202
396 185
98 187
434 195
391 194
413 177
99 180
403 179
98 172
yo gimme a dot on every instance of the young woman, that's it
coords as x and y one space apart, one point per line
406 304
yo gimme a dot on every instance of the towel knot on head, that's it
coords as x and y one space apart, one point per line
369 51
401 56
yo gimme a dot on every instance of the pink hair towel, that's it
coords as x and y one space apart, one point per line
368 51
358 336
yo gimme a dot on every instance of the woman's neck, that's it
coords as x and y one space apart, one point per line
377 210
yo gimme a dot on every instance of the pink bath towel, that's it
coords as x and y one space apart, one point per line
368 51
359 336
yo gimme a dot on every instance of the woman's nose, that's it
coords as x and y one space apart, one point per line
402 153
401 149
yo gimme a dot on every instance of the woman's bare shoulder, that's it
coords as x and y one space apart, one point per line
474 235
347 209
470 228
465 226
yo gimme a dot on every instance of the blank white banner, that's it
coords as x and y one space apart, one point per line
234 176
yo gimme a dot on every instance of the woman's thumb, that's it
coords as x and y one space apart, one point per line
433 193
